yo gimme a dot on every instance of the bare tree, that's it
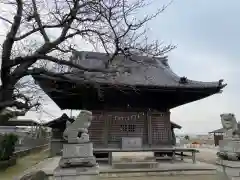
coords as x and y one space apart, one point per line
42 33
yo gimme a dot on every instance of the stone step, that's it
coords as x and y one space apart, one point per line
135 159
135 165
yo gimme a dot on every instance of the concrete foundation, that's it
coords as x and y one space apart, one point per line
77 162
76 173
56 142
56 146
135 165
228 170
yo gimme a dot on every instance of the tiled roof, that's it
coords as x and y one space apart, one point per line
58 121
174 125
146 72
221 130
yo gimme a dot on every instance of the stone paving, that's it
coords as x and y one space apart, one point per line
48 165
178 168
179 177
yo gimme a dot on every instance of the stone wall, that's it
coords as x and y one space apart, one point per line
30 142
25 152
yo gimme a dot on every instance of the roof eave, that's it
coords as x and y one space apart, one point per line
216 85
176 126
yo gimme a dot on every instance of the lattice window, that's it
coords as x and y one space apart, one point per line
131 128
124 128
114 138
128 127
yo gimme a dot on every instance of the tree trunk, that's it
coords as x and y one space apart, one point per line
6 94
5 99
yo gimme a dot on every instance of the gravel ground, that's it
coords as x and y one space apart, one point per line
23 163
207 155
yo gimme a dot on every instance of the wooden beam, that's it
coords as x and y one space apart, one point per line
106 128
149 122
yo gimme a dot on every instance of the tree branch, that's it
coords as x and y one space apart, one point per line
71 64
39 22
107 25
4 19
36 30
8 43
18 104
67 25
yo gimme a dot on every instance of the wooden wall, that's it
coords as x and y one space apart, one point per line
161 133
108 127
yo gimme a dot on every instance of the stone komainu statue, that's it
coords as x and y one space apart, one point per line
232 129
77 131
230 125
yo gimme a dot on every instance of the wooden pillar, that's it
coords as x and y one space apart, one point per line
106 128
149 122
170 130
173 137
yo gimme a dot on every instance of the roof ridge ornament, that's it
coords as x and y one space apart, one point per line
220 82
164 61
183 80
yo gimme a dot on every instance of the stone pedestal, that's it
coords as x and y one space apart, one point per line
77 155
56 146
77 162
228 170
229 145
56 142
76 173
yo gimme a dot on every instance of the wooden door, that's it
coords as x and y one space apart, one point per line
161 129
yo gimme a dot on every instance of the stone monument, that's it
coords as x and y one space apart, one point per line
77 160
228 160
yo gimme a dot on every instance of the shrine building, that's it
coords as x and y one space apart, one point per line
134 105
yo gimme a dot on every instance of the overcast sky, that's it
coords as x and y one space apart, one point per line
207 37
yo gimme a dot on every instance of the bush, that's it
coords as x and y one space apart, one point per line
186 137
7 146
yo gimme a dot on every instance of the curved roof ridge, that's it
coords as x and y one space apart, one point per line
170 71
177 78
144 71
